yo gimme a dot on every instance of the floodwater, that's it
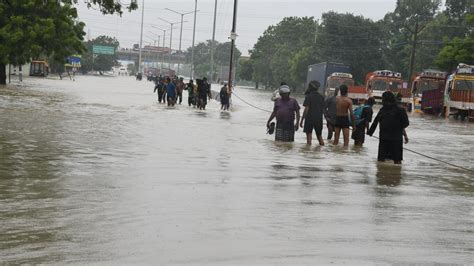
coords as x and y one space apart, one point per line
96 171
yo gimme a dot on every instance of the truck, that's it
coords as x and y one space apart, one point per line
459 93
379 81
322 71
358 94
335 80
428 91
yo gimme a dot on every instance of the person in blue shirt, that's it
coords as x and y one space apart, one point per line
170 92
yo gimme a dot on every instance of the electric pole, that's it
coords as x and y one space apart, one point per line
212 43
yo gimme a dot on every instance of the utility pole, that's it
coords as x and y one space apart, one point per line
212 43
141 38
181 30
194 35
414 33
233 36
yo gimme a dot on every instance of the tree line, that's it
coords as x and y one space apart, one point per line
32 29
417 35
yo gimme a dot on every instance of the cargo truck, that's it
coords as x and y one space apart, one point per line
459 93
322 71
428 91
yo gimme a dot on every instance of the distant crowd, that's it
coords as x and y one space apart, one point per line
340 116
170 91
336 109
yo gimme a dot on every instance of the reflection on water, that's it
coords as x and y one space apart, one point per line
97 171
388 175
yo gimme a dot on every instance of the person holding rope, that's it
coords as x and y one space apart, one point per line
393 121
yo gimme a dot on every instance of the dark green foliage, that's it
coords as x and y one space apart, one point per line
272 55
459 50
202 57
41 29
108 6
285 50
32 29
102 62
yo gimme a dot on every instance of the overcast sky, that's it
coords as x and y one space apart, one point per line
253 17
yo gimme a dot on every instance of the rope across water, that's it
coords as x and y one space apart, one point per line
410 150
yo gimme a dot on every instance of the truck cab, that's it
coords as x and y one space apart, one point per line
379 81
459 93
335 80
428 89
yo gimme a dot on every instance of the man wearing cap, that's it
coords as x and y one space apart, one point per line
285 110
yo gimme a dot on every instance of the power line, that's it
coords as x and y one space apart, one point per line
435 159
249 104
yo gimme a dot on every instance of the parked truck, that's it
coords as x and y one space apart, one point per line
322 71
379 81
428 91
459 93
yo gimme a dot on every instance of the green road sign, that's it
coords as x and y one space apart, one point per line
101 49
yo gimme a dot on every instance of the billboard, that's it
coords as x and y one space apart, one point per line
102 49
73 61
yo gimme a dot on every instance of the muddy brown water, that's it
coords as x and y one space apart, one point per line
96 171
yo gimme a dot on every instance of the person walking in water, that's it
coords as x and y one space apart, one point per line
313 113
363 116
393 120
343 110
191 88
170 92
285 110
204 92
160 87
179 90
225 97
330 113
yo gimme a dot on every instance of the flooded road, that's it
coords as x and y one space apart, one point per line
96 171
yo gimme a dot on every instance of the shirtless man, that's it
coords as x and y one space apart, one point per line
344 107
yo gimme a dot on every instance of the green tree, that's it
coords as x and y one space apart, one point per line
37 29
202 57
107 6
352 40
404 28
300 62
272 54
246 70
101 62
459 50
31 29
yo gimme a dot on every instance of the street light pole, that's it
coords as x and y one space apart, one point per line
141 38
156 42
171 38
181 30
162 55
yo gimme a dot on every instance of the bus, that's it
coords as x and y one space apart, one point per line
39 68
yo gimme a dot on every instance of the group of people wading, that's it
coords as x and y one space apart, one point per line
340 116
170 90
